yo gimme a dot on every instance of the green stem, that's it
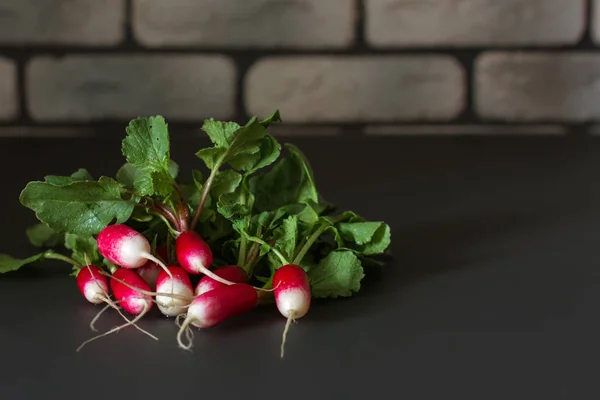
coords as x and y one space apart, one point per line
171 230
313 238
207 186
243 242
253 250
57 256
273 249
242 253
254 257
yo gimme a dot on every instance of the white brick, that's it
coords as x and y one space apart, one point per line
179 87
8 89
248 23
474 22
534 86
69 22
356 89
465 130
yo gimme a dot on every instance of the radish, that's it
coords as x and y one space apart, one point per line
292 295
232 273
149 272
127 248
213 307
170 306
131 300
92 284
195 256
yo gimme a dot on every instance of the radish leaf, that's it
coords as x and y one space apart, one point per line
147 149
83 208
366 237
41 235
337 275
235 145
81 174
9 264
82 247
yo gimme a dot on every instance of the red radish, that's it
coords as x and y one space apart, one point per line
149 272
211 308
182 286
92 284
131 300
292 294
232 273
195 256
125 247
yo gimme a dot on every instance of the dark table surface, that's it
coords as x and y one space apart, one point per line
493 292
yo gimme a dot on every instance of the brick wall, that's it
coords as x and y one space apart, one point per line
430 66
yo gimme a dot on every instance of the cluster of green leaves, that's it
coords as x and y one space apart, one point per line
257 206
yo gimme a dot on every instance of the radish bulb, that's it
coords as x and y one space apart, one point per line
170 306
195 256
292 295
213 307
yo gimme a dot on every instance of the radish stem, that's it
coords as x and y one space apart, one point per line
58 256
207 187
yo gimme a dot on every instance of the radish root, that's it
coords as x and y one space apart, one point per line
286 329
116 329
189 335
188 332
114 305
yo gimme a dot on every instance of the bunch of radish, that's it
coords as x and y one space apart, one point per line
142 279
257 208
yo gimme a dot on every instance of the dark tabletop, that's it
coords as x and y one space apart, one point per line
493 292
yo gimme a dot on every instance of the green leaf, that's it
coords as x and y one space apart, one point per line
220 133
337 275
81 174
173 169
289 181
153 183
146 145
84 248
41 235
83 208
235 145
9 264
287 235
270 149
225 182
127 174
275 117
232 207
366 237
147 149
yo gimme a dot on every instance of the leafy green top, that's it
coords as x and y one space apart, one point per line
258 207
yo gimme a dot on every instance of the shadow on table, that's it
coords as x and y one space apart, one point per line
423 251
